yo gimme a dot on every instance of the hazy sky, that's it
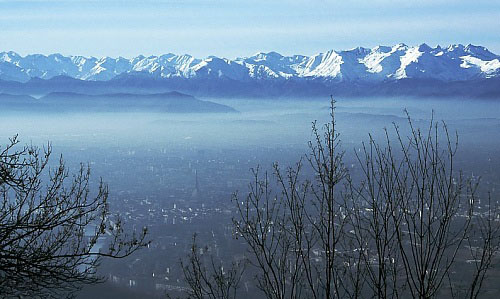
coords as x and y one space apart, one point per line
232 28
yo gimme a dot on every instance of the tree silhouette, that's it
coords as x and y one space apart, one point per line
54 230
207 277
406 225
415 216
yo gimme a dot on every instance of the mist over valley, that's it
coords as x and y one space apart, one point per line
249 149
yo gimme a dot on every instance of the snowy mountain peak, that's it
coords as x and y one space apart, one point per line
450 63
400 47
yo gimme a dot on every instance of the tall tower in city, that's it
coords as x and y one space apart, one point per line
196 192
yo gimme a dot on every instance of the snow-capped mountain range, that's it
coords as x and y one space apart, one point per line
379 64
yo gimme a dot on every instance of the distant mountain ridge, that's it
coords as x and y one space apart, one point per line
400 70
379 64
171 102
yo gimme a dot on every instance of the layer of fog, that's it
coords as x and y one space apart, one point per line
159 156
260 123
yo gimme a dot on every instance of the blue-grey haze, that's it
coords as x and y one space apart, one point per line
240 28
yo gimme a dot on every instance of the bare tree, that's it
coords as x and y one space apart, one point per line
262 221
407 225
414 214
53 229
483 244
206 276
296 236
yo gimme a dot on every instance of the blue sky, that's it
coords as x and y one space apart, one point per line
235 28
